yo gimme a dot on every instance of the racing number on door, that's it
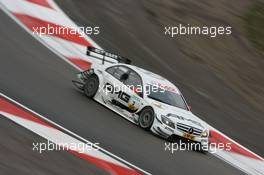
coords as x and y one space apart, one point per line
120 94
123 96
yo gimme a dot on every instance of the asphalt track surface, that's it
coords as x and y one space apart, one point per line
37 78
17 156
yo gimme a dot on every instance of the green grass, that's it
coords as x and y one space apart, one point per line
255 25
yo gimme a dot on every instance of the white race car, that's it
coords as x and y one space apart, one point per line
142 97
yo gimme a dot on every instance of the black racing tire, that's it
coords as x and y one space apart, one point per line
146 118
91 86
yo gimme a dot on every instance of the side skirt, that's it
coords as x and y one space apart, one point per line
98 98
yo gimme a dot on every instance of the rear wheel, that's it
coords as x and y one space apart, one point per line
146 118
91 86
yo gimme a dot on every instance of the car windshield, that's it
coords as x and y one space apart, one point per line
166 96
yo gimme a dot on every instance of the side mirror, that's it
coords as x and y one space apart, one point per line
124 77
189 108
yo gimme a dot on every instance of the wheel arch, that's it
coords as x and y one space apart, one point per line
147 106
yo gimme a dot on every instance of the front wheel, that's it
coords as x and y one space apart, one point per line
91 86
146 118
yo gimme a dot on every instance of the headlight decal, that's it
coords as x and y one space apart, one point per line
204 134
167 121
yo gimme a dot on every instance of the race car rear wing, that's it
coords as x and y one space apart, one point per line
106 56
